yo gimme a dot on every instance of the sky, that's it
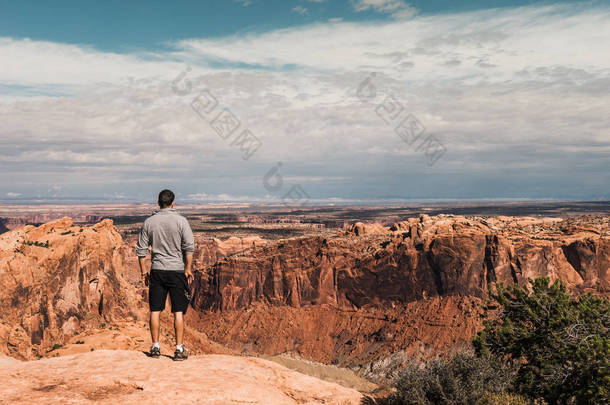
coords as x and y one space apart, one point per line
304 101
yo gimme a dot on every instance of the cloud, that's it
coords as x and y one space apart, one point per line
66 68
518 96
54 190
512 39
300 10
223 198
11 194
396 8
244 3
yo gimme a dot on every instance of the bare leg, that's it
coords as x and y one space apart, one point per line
154 325
178 327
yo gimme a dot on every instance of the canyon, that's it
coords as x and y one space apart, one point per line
322 314
351 297
418 286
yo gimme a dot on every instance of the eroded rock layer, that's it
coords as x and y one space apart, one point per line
58 279
415 259
350 298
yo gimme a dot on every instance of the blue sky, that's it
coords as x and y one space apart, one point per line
470 100
122 26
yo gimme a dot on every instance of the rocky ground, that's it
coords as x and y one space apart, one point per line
130 377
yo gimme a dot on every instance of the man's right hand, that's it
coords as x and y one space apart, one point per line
145 279
188 267
189 275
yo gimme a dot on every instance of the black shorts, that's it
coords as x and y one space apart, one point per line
163 281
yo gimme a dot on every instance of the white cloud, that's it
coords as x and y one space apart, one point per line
224 197
397 8
54 190
512 40
513 92
64 67
300 10
12 194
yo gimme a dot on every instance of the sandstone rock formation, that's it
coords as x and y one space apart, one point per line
348 338
349 299
129 377
415 286
419 258
58 279
359 229
10 223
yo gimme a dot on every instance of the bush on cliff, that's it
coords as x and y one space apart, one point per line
562 345
464 379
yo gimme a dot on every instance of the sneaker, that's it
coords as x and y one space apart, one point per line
180 355
155 352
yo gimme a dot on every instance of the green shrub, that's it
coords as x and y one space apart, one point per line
36 243
506 399
55 347
464 379
562 344
509 399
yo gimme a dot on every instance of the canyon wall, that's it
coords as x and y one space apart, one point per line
350 298
57 280
370 291
419 258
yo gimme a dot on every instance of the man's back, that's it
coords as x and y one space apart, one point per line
171 269
170 236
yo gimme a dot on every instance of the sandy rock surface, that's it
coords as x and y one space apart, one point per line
130 377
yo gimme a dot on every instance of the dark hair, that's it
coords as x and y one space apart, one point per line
166 198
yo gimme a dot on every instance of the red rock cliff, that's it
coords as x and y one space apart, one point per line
58 279
419 258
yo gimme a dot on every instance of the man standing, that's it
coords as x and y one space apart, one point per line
171 238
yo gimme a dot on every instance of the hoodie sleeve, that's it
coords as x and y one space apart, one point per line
143 241
188 241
